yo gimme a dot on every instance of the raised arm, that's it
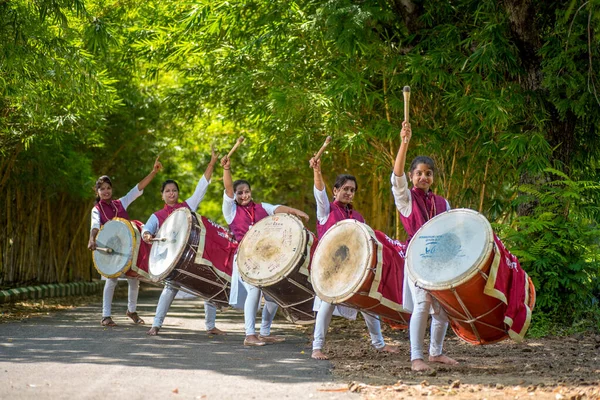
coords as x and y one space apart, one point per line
400 162
211 165
293 211
227 180
316 166
155 169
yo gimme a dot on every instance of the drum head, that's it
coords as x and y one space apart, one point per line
341 260
449 249
120 236
271 249
165 254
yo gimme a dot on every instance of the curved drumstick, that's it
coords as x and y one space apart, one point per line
105 249
322 149
235 146
406 93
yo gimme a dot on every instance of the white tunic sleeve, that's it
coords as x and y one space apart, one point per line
323 206
269 208
229 208
402 196
95 219
151 226
194 201
131 196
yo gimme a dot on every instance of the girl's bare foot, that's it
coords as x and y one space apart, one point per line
419 365
216 331
153 331
318 355
389 349
443 359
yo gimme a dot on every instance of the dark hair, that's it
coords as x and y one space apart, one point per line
342 179
165 183
422 160
99 182
240 182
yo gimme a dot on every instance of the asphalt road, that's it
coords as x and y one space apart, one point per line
68 355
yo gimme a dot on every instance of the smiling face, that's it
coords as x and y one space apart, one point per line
104 191
422 176
243 194
345 194
170 194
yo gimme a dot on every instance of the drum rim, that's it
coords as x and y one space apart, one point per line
371 252
468 274
294 261
135 237
162 276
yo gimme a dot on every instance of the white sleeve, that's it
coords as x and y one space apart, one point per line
402 196
151 226
448 208
95 219
323 206
131 196
229 208
269 208
194 201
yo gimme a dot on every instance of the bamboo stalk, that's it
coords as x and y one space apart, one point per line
487 164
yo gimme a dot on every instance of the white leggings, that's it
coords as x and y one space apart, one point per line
250 308
324 319
165 301
109 292
418 325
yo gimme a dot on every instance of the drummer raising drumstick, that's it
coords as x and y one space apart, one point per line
328 214
241 212
106 209
170 195
417 206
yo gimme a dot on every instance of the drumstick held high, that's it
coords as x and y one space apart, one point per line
406 93
322 149
235 146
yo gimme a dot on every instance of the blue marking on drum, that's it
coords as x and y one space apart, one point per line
442 248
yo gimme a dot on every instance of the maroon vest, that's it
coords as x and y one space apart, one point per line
111 210
245 217
338 212
424 207
167 210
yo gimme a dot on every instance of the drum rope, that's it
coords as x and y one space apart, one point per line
293 282
201 278
466 310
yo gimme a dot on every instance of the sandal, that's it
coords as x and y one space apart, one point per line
107 321
135 318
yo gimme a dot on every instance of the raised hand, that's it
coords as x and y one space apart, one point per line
406 132
315 164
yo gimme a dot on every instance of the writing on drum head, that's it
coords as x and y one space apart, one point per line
442 248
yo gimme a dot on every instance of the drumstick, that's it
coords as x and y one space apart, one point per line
105 249
406 93
158 239
235 146
322 149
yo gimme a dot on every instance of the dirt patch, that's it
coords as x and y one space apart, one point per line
552 367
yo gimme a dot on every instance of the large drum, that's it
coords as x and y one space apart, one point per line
120 250
275 256
358 267
457 258
194 254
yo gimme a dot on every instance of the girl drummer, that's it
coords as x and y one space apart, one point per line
241 212
170 195
417 206
328 214
106 209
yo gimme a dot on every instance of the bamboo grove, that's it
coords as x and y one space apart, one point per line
504 99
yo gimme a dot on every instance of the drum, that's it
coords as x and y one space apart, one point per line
275 256
456 257
193 254
120 250
358 267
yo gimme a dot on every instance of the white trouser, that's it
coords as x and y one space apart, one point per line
165 301
250 308
418 325
109 292
324 318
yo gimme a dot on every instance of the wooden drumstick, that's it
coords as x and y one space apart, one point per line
322 149
406 93
235 146
158 239
105 249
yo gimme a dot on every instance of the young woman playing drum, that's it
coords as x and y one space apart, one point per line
417 206
241 212
328 214
106 209
170 195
